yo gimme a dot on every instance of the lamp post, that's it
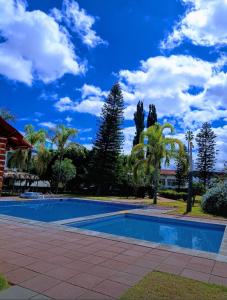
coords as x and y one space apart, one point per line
189 137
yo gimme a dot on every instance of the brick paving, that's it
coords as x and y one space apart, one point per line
67 265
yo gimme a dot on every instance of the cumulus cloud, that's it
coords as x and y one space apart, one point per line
168 82
34 46
49 125
79 21
204 24
92 100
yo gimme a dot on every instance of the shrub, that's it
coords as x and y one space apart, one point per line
171 194
3 283
214 201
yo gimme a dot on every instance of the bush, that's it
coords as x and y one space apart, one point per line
3 283
171 194
214 201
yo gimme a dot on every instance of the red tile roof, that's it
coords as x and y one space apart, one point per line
168 172
15 139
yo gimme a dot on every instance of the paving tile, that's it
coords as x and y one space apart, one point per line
218 280
79 265
85 280
6 267
125 278
133 253
195 275
20 275
93 259
40 283
173 269
220 269
16 293
40 297
62 273
41 267
137 270
199 267
202 261
106 254
23 261
101 271
111 288
125 258
90 295
115 265
65 291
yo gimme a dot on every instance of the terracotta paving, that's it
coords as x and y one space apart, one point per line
69 265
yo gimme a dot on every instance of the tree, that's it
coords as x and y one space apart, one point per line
206 157
35 138
42 160
63 171
182 164
152 116
7 115
109 140
153 149
139 122
61 137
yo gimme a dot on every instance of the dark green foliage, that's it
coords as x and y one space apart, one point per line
139 122
152 116
108 143
206 157
171 194
182 164
63 171
215 199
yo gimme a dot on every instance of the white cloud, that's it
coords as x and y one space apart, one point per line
204 24
92 101
167 83
49 125
79 21
34 46
68 119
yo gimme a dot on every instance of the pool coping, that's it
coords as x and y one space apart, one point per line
61 225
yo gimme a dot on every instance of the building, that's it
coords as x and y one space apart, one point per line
168 179
10 139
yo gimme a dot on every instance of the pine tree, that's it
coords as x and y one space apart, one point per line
139 122
206 158
109 140
152 116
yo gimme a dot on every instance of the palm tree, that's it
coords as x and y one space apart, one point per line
35 138
7 115
62 134
42 160
153 150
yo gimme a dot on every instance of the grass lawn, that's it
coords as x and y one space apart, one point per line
3 283
163 286
180 207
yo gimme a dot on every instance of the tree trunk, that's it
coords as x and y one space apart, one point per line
155 186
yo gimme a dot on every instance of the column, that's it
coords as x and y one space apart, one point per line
2 159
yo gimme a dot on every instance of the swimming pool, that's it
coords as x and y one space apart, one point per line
186 234
55 210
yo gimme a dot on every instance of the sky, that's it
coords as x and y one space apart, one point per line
59 59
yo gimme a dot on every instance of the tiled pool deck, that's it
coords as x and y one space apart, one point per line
52 261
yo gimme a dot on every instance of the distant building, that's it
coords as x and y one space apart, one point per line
168 179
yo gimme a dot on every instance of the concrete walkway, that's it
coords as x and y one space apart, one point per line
45 262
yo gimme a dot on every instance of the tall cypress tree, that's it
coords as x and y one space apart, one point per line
206 157
152 116
109 140
139 122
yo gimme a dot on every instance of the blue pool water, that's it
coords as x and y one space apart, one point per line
54 210
187 234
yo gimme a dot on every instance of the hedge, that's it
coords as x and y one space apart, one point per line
171 194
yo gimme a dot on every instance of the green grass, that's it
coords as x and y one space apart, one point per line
3 283
163 286
179 207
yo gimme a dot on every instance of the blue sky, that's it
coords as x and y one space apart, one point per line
59 58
